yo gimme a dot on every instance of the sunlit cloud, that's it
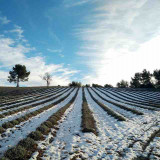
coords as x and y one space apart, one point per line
12 53
115 36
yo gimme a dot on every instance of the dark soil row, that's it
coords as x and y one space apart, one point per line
104 92
107 109
150 98
31 96
32 105
88 121
129 99
16 93
119 105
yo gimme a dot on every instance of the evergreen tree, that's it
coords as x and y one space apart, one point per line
108 86
122 84
75 84
18 73
146 79
156 75
136 81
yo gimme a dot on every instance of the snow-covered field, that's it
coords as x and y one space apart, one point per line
134 138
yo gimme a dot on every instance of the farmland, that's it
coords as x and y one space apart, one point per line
79 123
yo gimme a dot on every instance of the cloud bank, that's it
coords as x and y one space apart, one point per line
119 38
16 52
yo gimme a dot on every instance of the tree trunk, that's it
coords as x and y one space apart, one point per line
47 84
17 82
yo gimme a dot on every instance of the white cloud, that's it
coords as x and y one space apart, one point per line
4 20
12 54
115 37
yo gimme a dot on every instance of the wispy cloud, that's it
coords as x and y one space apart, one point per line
61 55
116 29
4 20
72 3
17 29
54 50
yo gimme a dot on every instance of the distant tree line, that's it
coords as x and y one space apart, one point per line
75 84
143 79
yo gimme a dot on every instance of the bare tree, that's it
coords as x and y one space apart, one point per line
47 77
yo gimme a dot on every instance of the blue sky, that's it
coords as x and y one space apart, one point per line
92 41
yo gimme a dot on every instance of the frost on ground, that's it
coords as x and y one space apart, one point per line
13 135
137 137
26 111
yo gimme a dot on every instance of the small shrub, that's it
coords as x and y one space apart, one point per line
43 129
1 129
41 110
29 115
16 153
4 158
18 110
25 117
1 116
48 124
15 122
37 135
7 125
20 119
33 113
55 117
38 111
28 143
12 112
53 121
